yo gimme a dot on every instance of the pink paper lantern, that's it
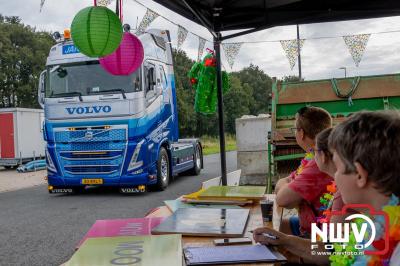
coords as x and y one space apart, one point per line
127 58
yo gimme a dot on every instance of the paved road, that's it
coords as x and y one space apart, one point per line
37 228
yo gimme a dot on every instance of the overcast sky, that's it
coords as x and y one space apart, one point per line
321 58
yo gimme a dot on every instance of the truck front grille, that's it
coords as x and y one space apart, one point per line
82 155
92 162
91 135
91 169
91 151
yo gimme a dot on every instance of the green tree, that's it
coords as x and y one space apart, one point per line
261 85
22 57
236 102
185 94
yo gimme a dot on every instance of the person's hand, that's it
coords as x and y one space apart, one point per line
269 236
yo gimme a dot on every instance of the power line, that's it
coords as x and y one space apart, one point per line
326 37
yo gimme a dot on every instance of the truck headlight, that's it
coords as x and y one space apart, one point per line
134 163
50 165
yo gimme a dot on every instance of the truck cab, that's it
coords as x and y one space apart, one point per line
111 130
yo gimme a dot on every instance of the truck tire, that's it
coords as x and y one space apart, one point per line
197 161
7 167
163 170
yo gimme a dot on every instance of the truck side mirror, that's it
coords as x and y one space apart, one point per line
42 87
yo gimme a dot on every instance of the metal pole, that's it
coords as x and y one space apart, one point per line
217 48
298 51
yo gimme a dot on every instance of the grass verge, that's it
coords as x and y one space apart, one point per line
211 144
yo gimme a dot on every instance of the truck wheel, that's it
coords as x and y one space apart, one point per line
197 161
7 166
163 171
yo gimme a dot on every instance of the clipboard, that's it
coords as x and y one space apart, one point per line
197 256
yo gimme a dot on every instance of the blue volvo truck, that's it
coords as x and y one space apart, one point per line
114 131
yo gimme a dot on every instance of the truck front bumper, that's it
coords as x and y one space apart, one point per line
122 181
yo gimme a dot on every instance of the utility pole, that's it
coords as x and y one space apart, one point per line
298 51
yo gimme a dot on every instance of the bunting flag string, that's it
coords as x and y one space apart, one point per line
148 18
182 34
202 43
292 50
41 4
356 45
231 51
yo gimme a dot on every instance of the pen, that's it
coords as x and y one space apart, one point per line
267 235
270 236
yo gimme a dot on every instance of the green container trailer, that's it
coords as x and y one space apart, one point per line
340 97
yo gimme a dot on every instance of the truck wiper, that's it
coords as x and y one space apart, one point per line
122 91
67 94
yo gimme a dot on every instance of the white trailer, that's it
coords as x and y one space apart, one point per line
21 136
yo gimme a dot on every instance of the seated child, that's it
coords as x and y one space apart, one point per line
304 187
323 157
366 153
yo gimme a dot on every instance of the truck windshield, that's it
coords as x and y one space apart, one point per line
87 79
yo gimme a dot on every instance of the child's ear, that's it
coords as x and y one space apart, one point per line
301 134
323 157
362 178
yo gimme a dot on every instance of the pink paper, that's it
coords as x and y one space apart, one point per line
121 227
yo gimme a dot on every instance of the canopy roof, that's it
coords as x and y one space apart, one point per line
223 15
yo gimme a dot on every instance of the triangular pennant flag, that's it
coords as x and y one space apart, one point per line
291 49
356 45
103 2
182 34
231 51
202 43
41 4
149 17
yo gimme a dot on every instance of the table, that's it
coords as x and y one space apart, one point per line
255 221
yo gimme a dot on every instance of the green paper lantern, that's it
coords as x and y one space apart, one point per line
96 31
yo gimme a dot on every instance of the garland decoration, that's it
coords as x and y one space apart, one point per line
327 201
393 211
308 157
203 77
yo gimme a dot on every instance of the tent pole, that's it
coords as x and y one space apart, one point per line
217 48
200 18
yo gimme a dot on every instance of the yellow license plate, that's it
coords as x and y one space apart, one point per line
92 181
